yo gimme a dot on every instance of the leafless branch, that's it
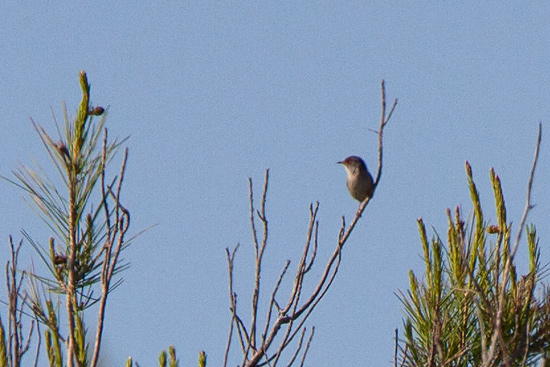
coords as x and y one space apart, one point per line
273 303
384 119
307 346
39 343
18 345
498 344
259 248
528 205
298 347
395 354
230 258
293 313
114 241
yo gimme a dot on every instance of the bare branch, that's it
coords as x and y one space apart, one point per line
498 337
307 346
528 205
301 267
114 242
39 343
384 119
259 254
315 244
298 347
273 303
294 310
233 303
396 347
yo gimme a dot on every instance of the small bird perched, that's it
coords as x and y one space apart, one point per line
359 182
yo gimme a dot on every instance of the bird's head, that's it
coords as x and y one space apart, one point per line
354 164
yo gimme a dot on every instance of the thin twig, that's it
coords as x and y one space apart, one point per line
300 271
38 344
293 311
233 303
528 205
307 346
259 255
230 257
273 302
497 337
396 347
117 235
315 245
298 347
384 119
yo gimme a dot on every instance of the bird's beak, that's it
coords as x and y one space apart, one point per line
341 162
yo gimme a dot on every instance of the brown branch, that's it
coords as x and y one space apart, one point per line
396 347
307 346
294 299
298 347
498 337
39 343
528 205
17 346
285 319
105 282
230 258
70 286
315 245
384 119
259 253
122 218
300 273
288 335
235 319
273 303
292 310
113 244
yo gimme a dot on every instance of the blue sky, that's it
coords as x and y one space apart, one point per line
212 93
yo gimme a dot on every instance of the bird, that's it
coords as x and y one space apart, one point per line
359 181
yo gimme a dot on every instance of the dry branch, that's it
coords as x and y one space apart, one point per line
295 310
